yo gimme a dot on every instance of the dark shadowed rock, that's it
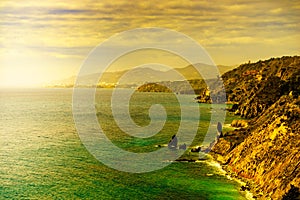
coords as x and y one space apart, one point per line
196 149
292 194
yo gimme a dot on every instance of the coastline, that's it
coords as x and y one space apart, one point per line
248 194
245 187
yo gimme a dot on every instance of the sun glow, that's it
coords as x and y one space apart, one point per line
42 41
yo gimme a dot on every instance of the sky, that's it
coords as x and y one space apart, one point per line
42 41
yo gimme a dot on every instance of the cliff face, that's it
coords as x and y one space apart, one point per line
254 87
268 152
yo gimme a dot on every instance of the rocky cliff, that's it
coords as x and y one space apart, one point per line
267 151
254 87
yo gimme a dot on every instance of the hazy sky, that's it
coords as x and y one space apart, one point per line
43 40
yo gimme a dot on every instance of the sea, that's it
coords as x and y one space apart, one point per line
42 155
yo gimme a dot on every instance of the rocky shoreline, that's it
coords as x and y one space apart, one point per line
247 188
264 151
250 189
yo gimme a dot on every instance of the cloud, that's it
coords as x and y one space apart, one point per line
69 30
68 11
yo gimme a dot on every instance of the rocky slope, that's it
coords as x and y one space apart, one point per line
254 87
267 152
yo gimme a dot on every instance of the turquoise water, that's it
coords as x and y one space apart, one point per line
42 157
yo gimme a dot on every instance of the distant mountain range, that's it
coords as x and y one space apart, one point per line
137 76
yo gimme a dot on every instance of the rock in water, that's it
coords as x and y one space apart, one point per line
173 142
183 146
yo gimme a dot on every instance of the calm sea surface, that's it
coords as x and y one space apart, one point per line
42 157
